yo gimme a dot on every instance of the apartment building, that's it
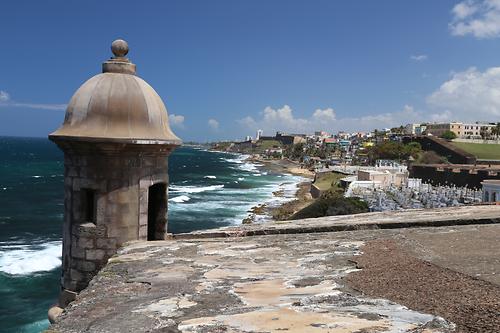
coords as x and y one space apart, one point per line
462 130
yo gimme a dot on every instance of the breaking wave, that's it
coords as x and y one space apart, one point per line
29 259
180 199
194 189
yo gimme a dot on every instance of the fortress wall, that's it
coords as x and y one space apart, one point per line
449 175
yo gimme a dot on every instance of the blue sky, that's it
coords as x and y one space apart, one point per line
226 68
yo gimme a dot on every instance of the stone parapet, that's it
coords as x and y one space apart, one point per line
411 218
291 282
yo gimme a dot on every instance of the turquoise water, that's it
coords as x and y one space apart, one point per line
207 190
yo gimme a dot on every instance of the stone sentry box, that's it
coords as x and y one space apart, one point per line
116 141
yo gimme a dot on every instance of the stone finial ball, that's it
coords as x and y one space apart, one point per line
119 48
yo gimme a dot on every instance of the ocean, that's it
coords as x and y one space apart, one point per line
207 190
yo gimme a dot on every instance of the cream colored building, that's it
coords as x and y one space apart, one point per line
462 130
385 178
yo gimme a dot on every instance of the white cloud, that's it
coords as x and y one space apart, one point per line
283 119
464 9
4 96
326 115
419 57
176 120
469 95
441 117
55 107
213 124
6 101
478 18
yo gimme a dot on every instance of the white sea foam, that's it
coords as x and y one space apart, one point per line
29 259
36 176
231 208
241 178
194 189
248 167
210 177
36 326
242 163
180 199
238 159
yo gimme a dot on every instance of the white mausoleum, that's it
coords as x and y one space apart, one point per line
491 190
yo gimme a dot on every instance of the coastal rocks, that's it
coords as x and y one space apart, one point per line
54 312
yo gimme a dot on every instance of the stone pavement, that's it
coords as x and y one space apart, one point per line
274 283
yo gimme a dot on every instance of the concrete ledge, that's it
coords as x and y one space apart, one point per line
464 215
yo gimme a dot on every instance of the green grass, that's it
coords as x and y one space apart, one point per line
263 145
482 151
327 180
266 144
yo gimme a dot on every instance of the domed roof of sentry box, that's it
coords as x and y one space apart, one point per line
117 106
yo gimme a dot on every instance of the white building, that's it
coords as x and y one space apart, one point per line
491 190
259 134
415 129
385 173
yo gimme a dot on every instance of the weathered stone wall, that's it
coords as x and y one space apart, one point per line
120 180
443 148
453 175
315 191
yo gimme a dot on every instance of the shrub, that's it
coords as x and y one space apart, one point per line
449 135
394 150
431 157
330 204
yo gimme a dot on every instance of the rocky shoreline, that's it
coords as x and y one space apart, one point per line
286 209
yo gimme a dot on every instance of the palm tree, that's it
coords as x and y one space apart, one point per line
485 134
495 131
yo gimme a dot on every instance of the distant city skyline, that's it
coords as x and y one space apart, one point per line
226 69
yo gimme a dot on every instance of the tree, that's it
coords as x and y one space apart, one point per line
412 149
294 152
496 130
394 151
485 133
449 135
